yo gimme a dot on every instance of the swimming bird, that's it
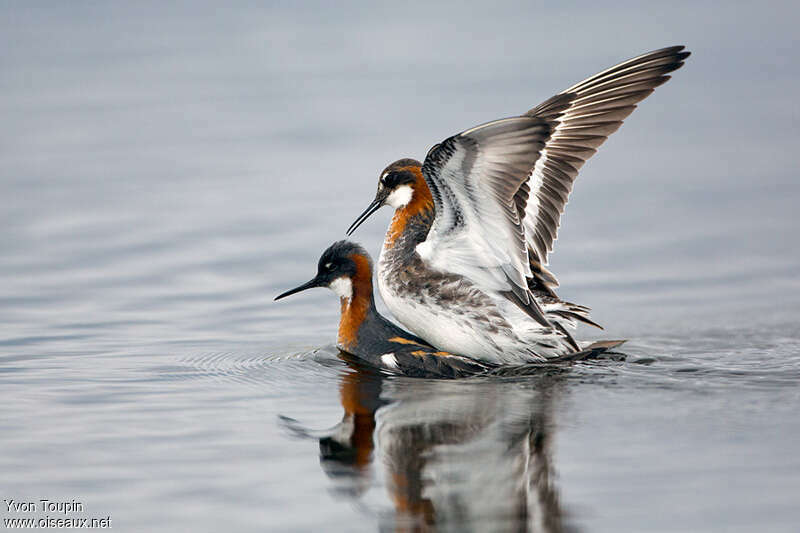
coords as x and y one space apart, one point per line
346 269
463 263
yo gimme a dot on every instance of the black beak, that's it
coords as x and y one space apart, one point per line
308 285
376 204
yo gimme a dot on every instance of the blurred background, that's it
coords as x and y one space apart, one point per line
166 170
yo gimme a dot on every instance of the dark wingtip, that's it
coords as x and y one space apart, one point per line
606 345
531 307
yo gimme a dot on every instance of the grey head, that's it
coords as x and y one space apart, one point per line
343 266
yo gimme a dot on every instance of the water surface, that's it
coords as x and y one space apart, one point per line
166 171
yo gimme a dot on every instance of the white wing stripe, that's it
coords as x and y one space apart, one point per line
595 108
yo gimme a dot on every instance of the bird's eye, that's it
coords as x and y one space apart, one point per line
329 266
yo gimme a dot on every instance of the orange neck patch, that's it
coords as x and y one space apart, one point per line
421 201
355 308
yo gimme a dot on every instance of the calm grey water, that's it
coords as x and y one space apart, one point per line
166 171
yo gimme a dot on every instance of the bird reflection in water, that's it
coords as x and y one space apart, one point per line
455 455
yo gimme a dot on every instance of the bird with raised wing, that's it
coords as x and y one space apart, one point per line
463 263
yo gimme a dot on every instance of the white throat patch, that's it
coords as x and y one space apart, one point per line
400 196
343 287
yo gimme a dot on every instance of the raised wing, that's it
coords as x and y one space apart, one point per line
474 178
499 189
586 114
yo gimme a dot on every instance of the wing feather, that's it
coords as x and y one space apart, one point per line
476 178
585 115
499 189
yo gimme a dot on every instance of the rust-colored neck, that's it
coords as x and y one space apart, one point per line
421 202
356 308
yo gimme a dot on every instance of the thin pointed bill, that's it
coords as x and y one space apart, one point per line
308 285
374 206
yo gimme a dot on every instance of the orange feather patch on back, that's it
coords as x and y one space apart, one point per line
402 340
423 353
421 201
354 309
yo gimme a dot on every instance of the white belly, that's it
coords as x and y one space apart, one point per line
443 331
461 331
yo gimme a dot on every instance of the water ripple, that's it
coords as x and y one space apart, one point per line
275 370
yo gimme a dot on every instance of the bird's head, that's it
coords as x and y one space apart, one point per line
343 266
397 185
